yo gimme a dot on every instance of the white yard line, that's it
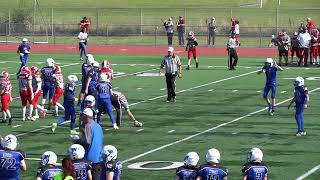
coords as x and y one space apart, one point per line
311 171
139 130
154 98
171 131
205 131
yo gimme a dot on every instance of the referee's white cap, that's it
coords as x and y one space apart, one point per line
88 112
170 49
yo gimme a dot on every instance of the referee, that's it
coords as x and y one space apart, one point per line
120 101
172 66
232 53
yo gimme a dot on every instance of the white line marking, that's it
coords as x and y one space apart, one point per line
158 97
234 133
210 66
115 88
311 171
139 88
162 89
282 92
234 90
210 90
139 130
108 129
258 91
171 131
44 126
18 125
33 159
205 131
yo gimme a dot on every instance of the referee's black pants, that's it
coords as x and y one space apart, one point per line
171 85
233 58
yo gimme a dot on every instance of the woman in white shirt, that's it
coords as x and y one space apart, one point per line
83 37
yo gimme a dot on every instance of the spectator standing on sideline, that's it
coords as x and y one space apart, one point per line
237 32
83 37
91 139
85 24
169 29
304 39
212 31
314 59
23 51
191 49
282 42
172 65
294 46
232 53
181 30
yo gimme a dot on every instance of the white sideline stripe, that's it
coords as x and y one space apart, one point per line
171 131
33 159
196 87
205 131
311 171
139 130
151 99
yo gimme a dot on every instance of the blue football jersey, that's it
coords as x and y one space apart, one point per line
208 172
46 74
69 94
187 172
111 166
255 171
48 172
103 89
23 47
271 74
95 76
82 167
300 95
87 69
10 162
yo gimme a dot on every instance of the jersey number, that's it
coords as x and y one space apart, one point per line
259 176
81 173
212 177
10 161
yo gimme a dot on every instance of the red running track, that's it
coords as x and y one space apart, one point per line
140 50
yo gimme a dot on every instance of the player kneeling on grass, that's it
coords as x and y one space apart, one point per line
191 49
12 160
37 91
254 168
47 81
270 68
212 169
5 92
69 105
189 170
83 167
49 167
111 167
26 90
301 98
119 101
58 89
104 102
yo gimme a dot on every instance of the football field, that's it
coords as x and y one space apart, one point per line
215 108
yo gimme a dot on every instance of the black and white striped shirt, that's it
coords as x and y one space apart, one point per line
171 64
119 100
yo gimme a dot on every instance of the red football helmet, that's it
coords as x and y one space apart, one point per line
5 74
57 70
35 70
26 70
105 64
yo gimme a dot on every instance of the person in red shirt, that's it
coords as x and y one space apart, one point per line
85 24
191 49
59 89
25 88
294 46
106 69
5 91
314 52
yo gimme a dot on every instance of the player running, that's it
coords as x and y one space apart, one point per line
5 91
26 90
12 160
120 101
301 98
270 68
37 91
86 69
255 169
104 102
212 170
23 51
69 105
49 167
83 167
58 89
47 81
111 167
191 49
189 170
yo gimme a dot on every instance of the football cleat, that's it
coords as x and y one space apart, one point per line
44 112
115 126
53 127
36 117
197 64
31 118
137 123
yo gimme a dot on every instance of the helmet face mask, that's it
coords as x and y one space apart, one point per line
109 153
72 82
90 101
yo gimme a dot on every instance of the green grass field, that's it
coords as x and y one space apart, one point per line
222 109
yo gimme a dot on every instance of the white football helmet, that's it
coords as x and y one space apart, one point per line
24 40
109 152
90 99
76 151
191 158
213 155
299 81
50 62
255 154
104 78
72 82
269 60
96 64
90 59
9 142
48 157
